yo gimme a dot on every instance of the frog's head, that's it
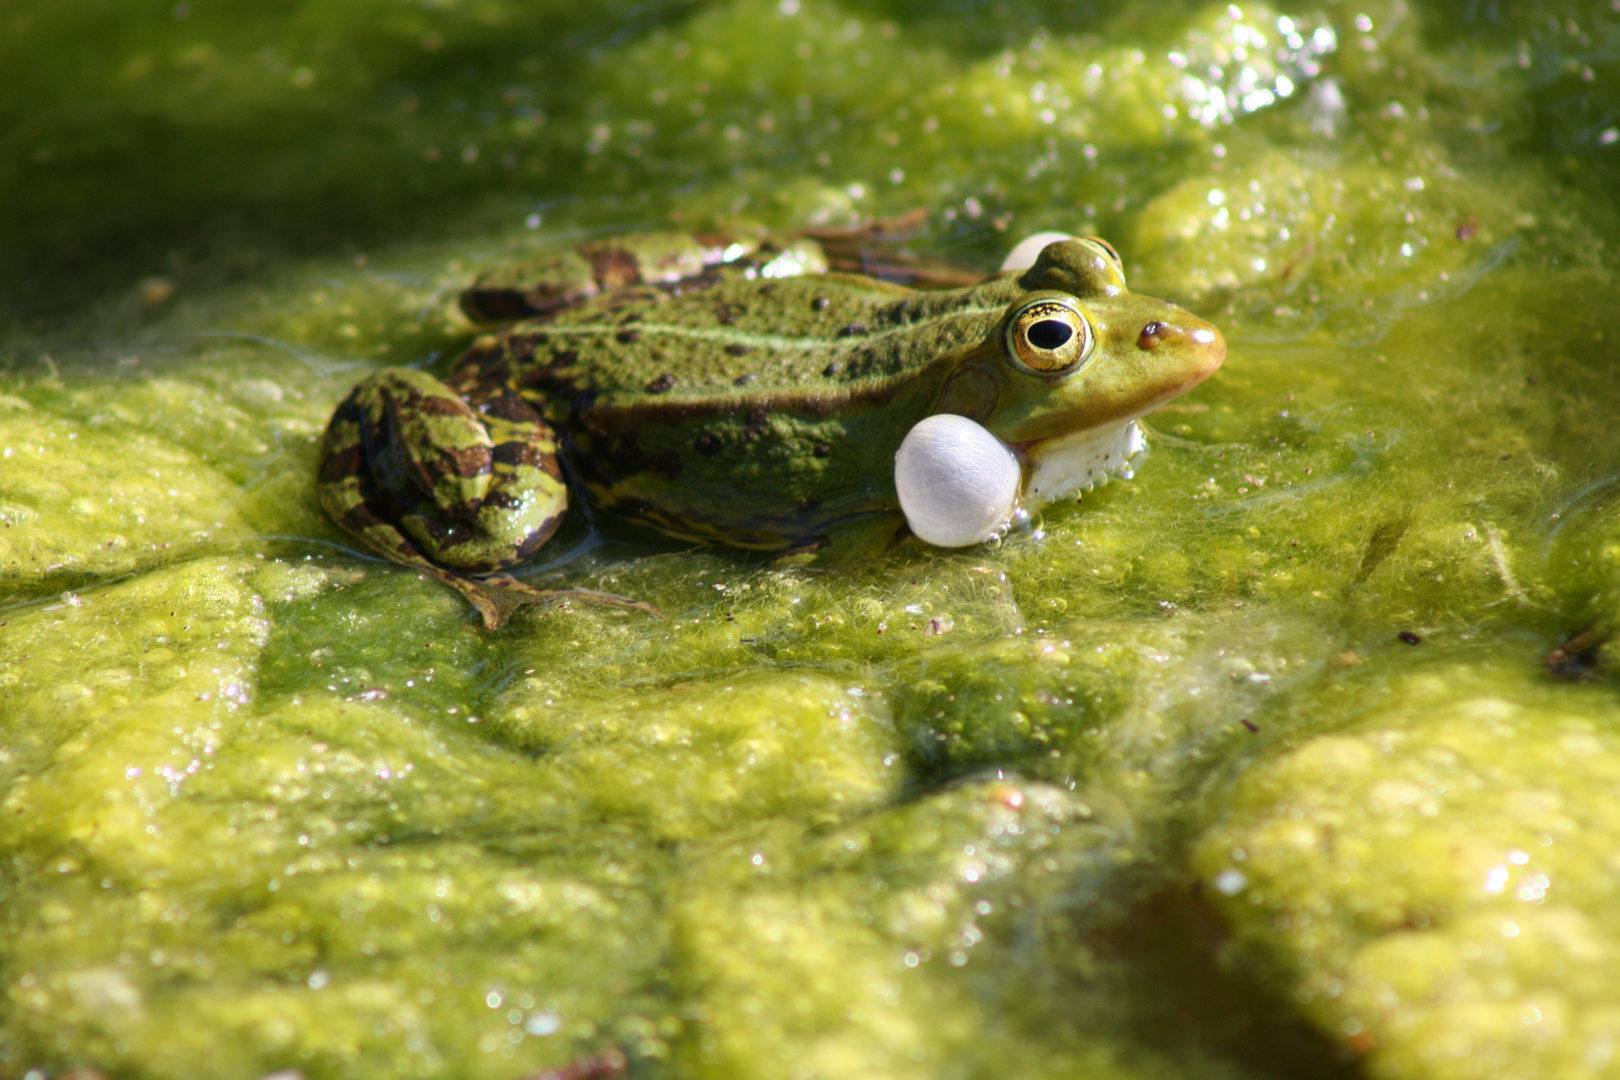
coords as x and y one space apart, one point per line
1078 351
1051 396
1076 358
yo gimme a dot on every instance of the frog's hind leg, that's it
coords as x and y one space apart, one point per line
407 464
426 480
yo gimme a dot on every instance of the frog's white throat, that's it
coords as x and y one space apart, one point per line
1067 465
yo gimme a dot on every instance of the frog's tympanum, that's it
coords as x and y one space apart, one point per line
754 404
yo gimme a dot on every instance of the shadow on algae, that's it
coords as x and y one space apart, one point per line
1247 767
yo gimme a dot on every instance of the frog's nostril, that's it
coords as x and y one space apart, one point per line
1152 334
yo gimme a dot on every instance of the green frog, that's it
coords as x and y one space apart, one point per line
742 396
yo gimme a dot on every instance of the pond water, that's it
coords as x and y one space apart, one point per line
1247 767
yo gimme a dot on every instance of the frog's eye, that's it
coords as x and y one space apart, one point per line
1049 337
1107 251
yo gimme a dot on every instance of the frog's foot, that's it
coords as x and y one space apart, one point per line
538 288
803 553
876 249
497 597
1577 656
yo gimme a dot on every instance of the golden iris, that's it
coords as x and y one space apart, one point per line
1049 337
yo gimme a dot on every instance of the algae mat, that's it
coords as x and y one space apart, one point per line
1248 767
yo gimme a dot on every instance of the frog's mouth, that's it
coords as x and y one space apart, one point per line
1065 465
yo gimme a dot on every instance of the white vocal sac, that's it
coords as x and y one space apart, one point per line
957 482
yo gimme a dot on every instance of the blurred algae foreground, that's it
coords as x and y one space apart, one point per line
1249 767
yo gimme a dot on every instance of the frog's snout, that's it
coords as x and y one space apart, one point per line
1190 337
1194 334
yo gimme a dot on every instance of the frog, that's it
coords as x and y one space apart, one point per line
744 397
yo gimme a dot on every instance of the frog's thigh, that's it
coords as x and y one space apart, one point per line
526 497
424 479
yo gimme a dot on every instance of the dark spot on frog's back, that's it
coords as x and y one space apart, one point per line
707 444
726 313
661 384
820 303
629 337
852 329
856 365
739 349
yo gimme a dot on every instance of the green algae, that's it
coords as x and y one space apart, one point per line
1150 789
1438 874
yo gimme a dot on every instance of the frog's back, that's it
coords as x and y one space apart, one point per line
746 412
728 339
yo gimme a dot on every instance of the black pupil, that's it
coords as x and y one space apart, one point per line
1050 334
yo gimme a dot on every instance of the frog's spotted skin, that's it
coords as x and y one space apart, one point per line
474 481
741 402
481 489
746 411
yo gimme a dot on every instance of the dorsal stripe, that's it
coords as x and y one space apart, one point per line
728 336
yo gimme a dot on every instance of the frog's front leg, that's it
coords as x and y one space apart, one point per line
425 479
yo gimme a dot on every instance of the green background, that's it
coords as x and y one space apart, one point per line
1155 789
